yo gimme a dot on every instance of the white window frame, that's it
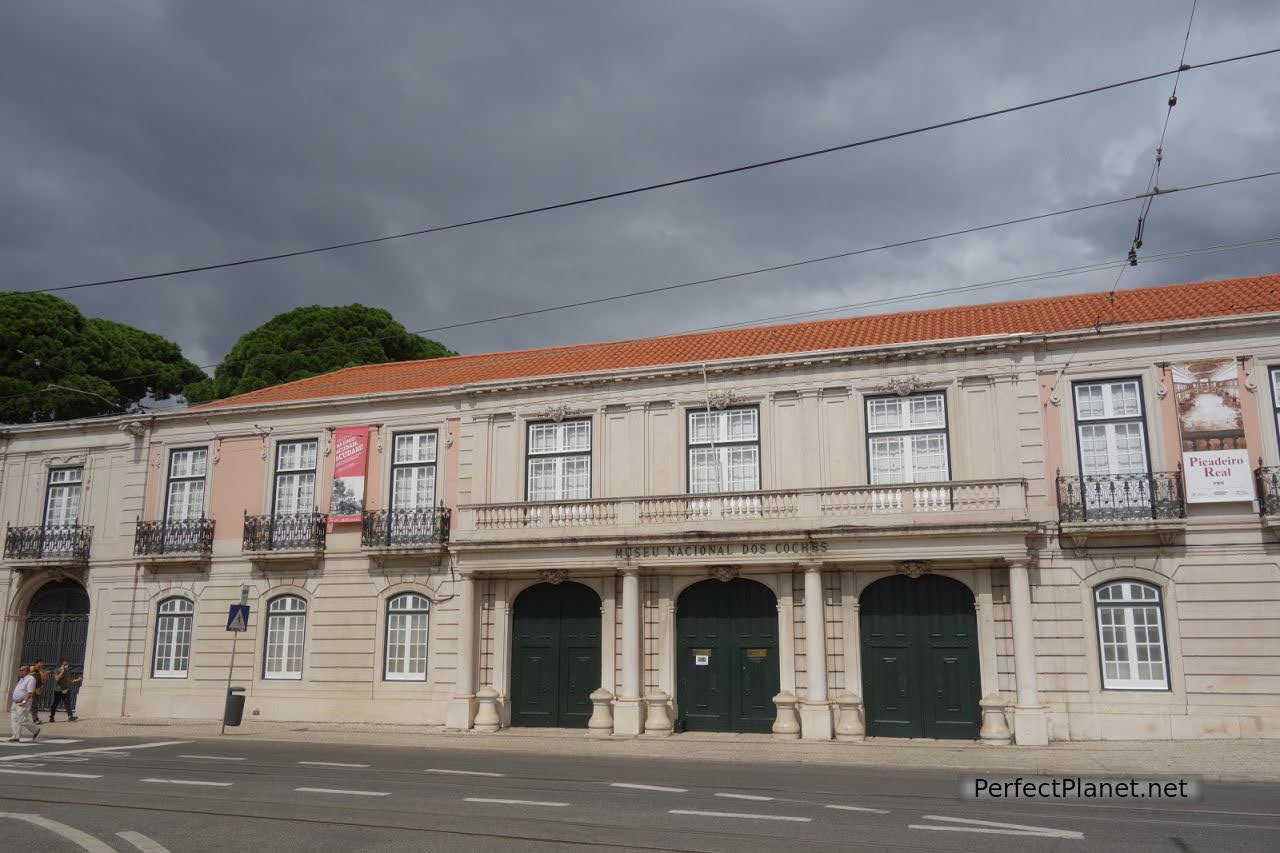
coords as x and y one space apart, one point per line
189 481
423 449
1275 399
1109 419
726 444
399 661
564 460
175 619
1137 600
282 474
66 481
286 630
906 432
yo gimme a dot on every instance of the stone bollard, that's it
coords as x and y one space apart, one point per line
787 725
658 720
487 719
995 725
601 722
850 726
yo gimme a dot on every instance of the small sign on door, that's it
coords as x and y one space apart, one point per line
702 657
757 653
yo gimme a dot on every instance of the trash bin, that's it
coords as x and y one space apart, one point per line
234 712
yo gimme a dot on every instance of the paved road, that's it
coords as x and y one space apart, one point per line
156 795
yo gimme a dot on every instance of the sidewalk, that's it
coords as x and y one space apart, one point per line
1234 760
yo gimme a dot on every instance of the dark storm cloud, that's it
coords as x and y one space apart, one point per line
145 135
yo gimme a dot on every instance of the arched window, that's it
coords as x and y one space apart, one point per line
286 629
1131 636
173 638
407 621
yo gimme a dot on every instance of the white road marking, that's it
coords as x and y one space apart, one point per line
745 797
514 802
188 782
10 770
146 845
463 772
37 743
215 757
102 749
83 840
996 828
18 744
741 815
649 787
330 764
859 809
345 793
60 740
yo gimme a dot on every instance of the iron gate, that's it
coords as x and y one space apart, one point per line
54 637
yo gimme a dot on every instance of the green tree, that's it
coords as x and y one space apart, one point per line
57 364
309 341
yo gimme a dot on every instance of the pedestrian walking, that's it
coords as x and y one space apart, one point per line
36 671
20 712
62 681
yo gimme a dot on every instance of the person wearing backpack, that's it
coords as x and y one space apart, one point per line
62 681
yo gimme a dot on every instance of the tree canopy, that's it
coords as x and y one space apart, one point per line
309 341
56 364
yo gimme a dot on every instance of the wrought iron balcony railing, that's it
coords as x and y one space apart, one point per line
188 536
302 532
1121 497
405 528
69 543
1269 490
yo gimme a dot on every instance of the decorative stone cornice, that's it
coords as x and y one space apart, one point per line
913 568
137 429
901 385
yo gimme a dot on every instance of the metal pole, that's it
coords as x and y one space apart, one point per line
230 667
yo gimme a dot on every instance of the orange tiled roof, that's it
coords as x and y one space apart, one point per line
1226 297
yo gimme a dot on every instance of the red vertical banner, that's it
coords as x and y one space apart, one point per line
350 454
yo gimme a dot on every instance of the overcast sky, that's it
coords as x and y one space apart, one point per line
141 135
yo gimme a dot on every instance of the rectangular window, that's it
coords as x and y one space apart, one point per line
907 439
724 450
413 471
62 497
559 461
1111 436
1275 397
1110 428
294 490
185 493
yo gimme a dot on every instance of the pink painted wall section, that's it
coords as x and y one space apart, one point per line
153 503
1251 400
1052 425
237 485
1166 420
373 470
450 451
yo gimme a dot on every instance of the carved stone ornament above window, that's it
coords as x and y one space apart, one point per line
555 577
558 412
721 400
913 568
724 574
902 386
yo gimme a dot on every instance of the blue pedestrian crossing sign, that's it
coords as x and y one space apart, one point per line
238 618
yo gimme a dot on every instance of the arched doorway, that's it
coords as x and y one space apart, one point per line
57 627
555 655
920 658
727 648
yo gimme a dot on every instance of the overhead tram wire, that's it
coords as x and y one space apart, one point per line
761 164
1017 280
757 271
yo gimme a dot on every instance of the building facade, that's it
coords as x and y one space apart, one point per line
1042 520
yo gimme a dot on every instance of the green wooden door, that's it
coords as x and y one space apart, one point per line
555 655
920 658
727 647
